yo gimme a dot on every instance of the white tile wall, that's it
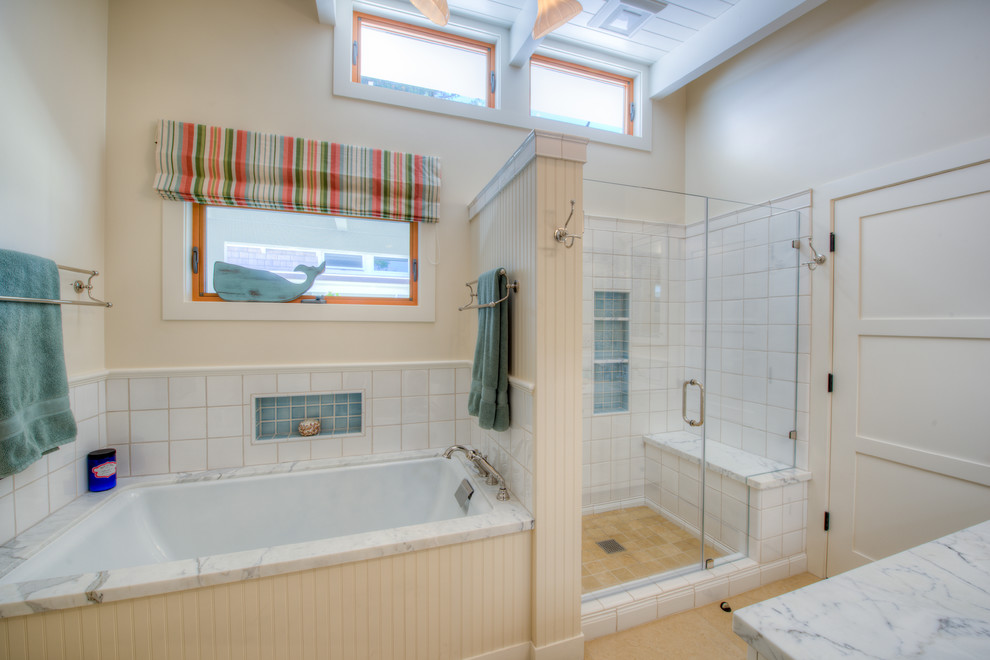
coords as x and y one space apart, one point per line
511 451
59 477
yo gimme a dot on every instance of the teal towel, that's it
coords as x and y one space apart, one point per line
34 393
489 396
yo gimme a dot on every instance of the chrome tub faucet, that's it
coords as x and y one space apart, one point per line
485 469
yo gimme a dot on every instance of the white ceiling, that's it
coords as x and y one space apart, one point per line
685 40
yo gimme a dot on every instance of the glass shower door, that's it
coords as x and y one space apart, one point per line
750 370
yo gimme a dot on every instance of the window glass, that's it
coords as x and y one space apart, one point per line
365 259
577 95
421 61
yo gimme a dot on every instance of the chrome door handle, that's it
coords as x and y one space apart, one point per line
684 387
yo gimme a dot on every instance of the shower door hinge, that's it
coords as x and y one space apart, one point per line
792 435
831 241
830 382
826 521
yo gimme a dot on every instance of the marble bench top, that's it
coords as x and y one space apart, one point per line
932 601
755 471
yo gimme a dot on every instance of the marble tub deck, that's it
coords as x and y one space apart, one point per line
932 601
120 584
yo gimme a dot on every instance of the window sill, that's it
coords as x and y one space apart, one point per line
177 303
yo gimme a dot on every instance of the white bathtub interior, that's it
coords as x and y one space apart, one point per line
151 524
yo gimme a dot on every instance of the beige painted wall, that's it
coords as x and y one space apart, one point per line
266 65
53 74
851 86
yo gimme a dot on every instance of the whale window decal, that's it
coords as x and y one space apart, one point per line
255 255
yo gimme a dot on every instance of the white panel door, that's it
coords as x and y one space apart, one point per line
910 445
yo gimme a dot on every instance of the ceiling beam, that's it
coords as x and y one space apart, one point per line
522 45
327 11
741 26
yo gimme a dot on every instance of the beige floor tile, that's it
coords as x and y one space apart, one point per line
652 545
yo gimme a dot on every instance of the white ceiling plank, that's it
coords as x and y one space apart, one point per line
664 28
607 43
712 8
746 23
522 45
327 11
684 16
499 13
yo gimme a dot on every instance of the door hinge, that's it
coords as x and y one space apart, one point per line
830 382
415 270
493 82
831 242
195 260
826 521
354 53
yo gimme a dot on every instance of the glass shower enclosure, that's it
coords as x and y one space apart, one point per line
692 347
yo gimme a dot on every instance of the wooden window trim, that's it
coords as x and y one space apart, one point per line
199 281
427 34
594 74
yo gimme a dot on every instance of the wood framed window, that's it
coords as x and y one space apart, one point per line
368 261
576 94
393 55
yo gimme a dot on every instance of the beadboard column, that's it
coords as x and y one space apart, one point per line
513 222
557 405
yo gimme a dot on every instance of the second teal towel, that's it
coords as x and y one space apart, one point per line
488 399
34 393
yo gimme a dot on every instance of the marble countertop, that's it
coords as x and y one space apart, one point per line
755 471
932 601
119 584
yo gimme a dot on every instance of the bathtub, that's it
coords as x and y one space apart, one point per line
148 536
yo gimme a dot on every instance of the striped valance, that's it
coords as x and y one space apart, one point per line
222 166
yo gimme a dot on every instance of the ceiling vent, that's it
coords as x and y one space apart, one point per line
625 17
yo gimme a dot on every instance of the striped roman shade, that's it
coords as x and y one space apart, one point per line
226 167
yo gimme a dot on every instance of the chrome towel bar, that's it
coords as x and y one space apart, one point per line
513 286
77 286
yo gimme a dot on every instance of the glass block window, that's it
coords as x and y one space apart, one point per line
278 417
611 351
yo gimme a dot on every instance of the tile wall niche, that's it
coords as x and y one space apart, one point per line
753 276
167 421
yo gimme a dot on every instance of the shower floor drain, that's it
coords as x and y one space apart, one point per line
611 546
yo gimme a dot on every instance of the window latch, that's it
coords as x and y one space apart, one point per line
493 82
195 260
354 53
415 270
632 112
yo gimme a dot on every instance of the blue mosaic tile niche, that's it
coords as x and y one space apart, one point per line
278 417
611 351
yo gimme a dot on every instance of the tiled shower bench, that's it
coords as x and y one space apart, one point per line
740 487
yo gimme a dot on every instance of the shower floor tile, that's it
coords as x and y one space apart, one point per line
652 545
